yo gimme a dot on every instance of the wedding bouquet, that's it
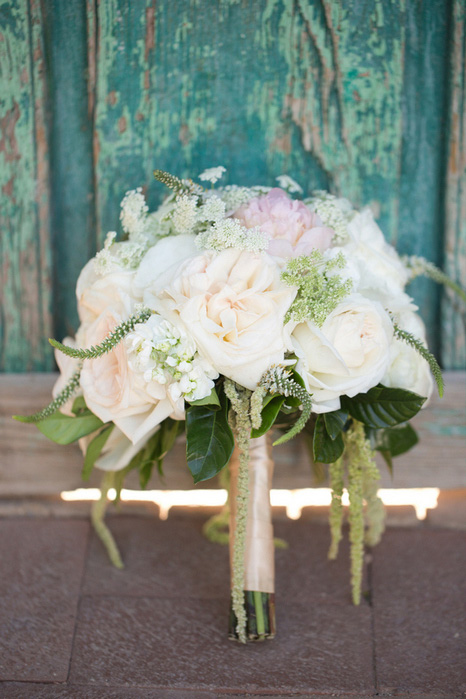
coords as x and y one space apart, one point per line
230 312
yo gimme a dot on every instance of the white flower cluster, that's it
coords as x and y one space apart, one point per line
334 212
213 209
134 212
160 352
229 233
289 184
212 174
184 216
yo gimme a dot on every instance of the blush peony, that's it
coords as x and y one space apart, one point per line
292 227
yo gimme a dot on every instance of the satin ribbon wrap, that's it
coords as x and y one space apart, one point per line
259 558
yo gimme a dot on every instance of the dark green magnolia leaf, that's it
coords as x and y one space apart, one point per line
64 429
394 440
387 457
335 422
269 415
212 399
209 440
326 449
382 406
94 450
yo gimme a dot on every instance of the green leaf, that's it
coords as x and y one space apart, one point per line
212 399
269 414
64 429
94 450
383 407
209 440
79 406
335 422
394 440
326 449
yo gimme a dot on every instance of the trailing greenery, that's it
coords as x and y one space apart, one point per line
279 380
241 422
109 342
97 517
336 471
424 352
420 266
320 289
58 402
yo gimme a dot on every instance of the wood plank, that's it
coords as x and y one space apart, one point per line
453 328
25 256
30 465
72 176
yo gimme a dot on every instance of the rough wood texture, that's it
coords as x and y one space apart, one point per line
453 325
30 465
350 96
25 252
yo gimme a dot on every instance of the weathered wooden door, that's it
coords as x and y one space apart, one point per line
365 97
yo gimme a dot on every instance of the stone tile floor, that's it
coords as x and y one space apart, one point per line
72 626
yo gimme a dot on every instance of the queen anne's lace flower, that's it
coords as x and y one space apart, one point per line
184 215
212 174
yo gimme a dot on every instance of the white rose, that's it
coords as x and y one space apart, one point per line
233 304
382 275
349 354
407 368
160 261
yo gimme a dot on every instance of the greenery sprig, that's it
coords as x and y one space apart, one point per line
109 342
56 404
278 380
320 289
176 184
424 352
419 265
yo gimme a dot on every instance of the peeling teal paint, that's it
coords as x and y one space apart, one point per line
342 95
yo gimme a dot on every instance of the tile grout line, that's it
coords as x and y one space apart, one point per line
80 596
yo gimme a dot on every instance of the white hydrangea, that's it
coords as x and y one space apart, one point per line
335 213
229 233
133 212
289 184
161 353
184 216
212 174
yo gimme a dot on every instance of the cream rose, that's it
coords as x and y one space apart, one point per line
349 354
233 305
407 368
114 392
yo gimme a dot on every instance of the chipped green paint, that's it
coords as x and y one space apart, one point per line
342 95
25 320
453 329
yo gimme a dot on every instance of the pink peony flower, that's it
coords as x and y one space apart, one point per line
293 228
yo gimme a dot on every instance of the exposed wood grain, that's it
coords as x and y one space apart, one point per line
31 465
25 253
453 329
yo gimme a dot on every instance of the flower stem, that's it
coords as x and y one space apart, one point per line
101 529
